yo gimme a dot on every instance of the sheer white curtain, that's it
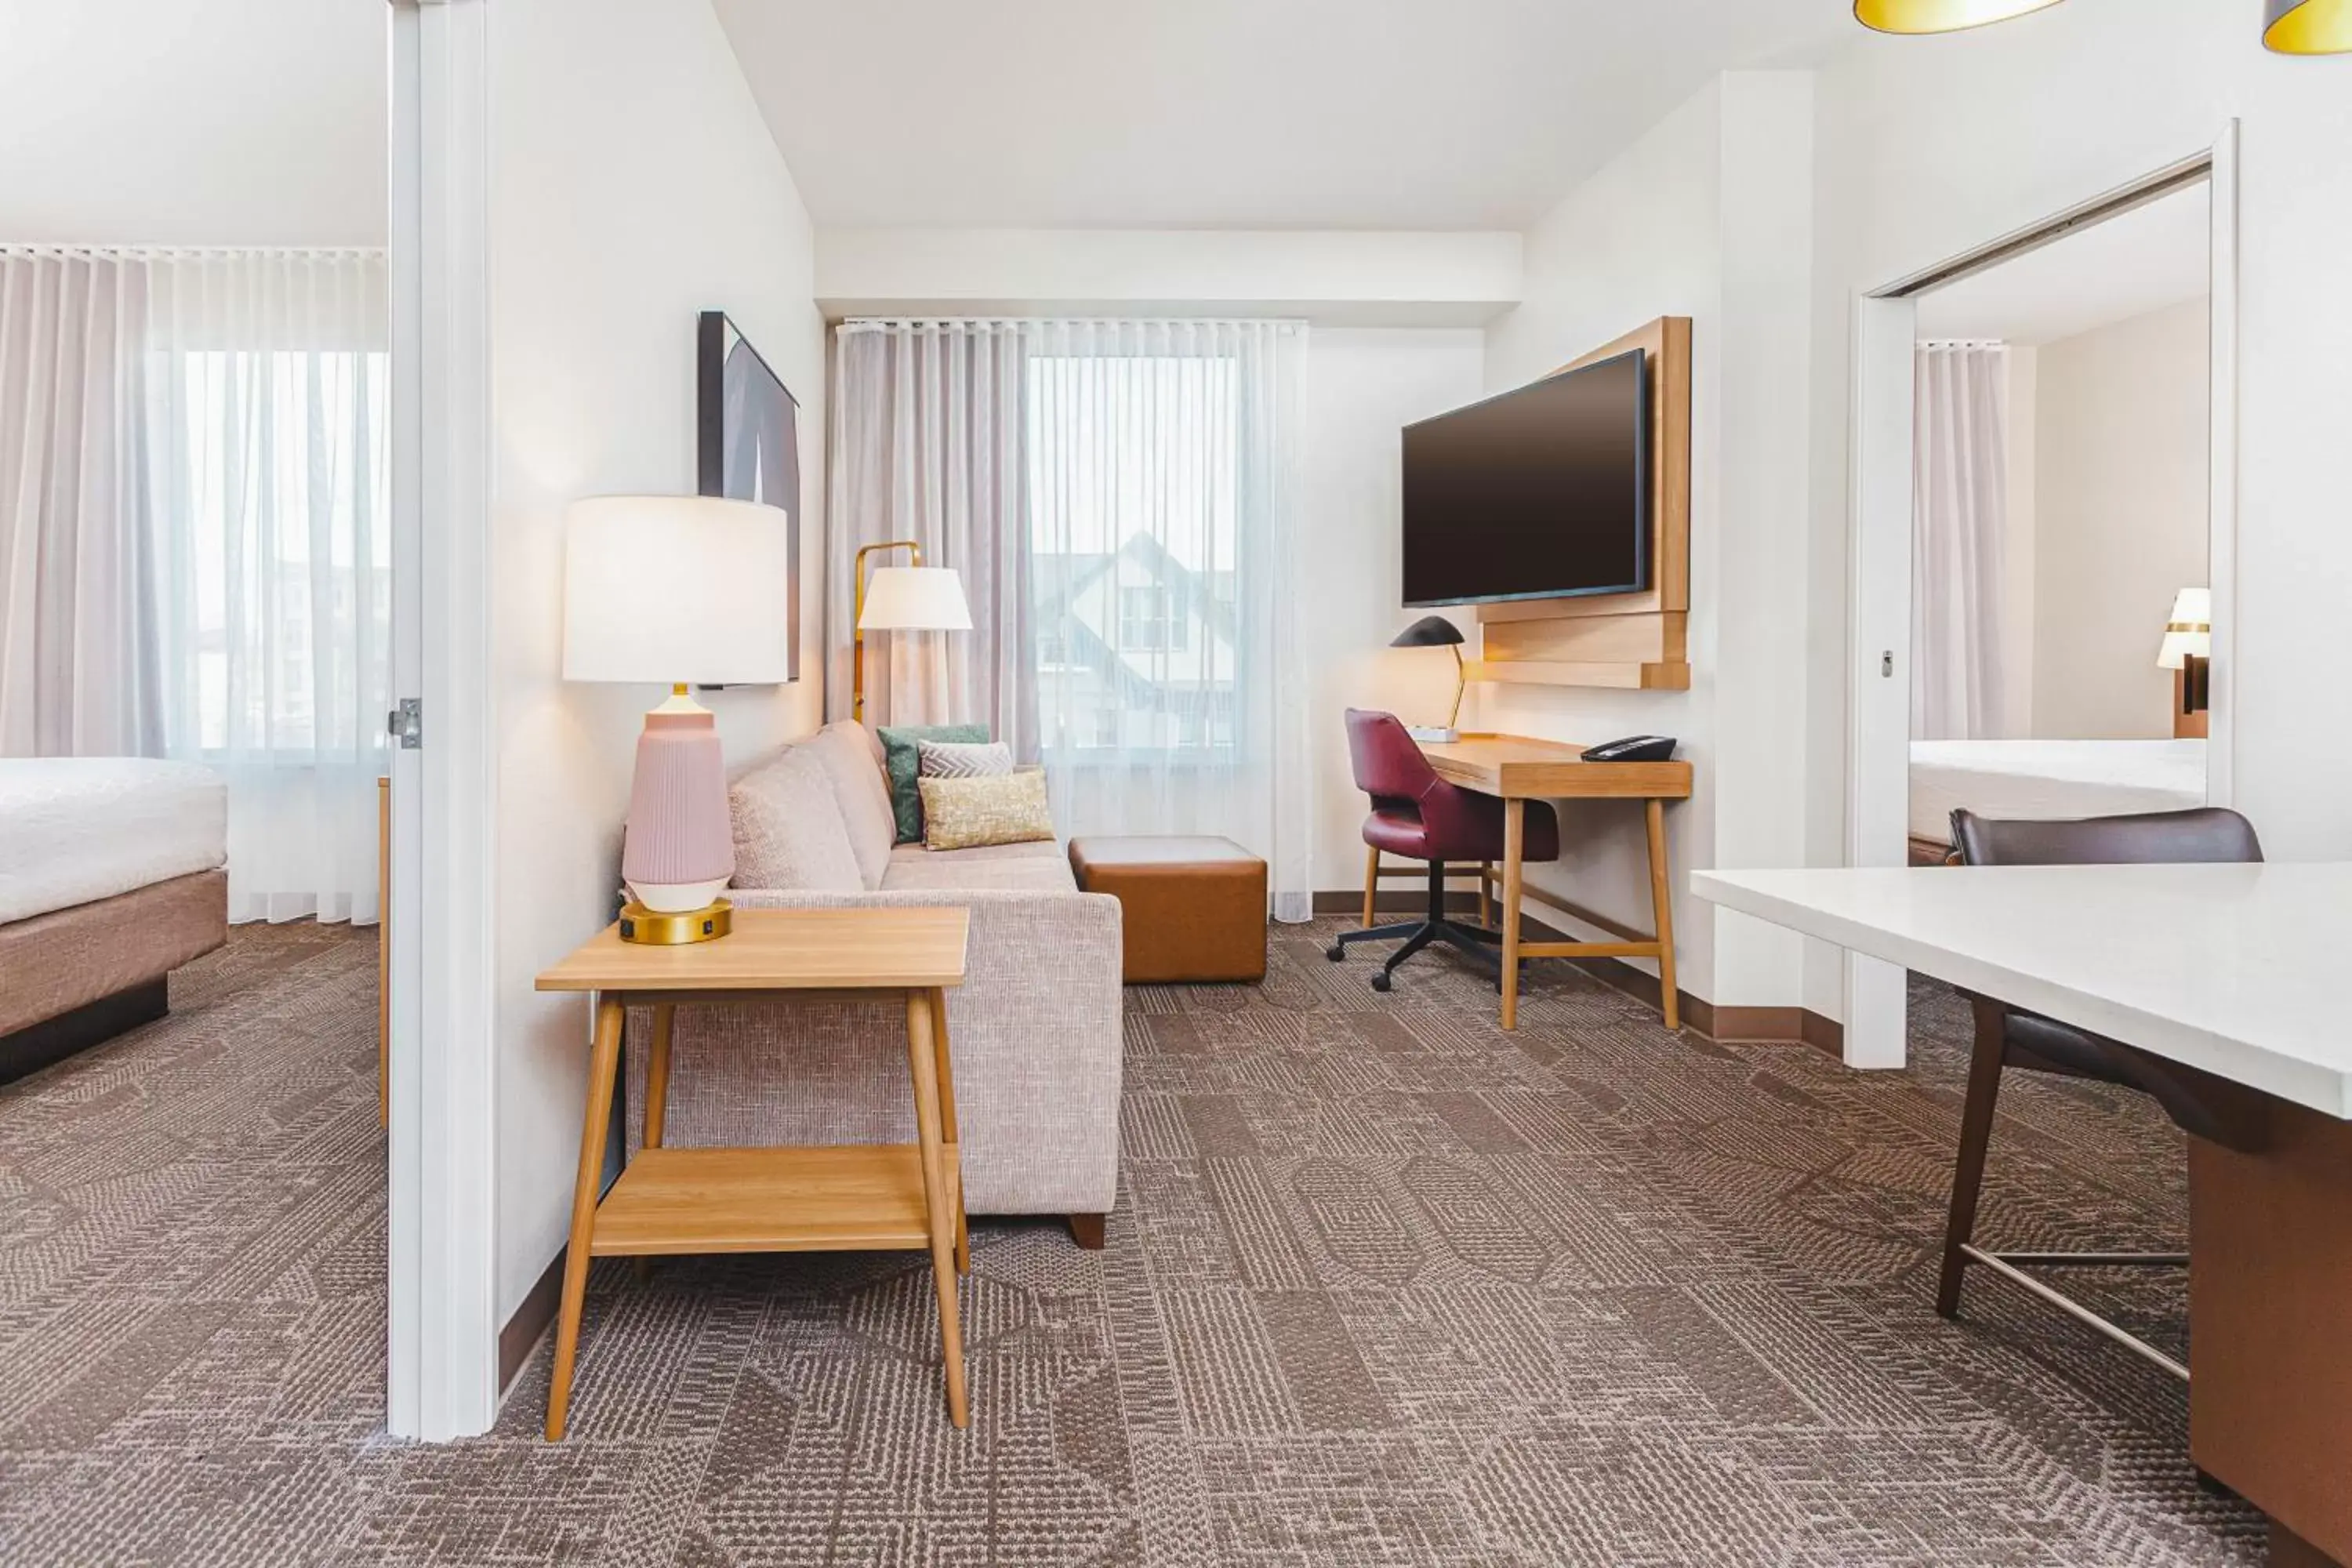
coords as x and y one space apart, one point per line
1121 498
1960 516
79 663
268 434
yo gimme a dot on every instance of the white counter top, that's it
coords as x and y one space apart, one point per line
2243 970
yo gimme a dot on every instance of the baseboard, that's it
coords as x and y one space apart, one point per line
52 1040
1726 1025
532 1319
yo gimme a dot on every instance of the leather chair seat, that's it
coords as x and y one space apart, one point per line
1190 909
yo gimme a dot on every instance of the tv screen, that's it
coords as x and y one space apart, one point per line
1541 493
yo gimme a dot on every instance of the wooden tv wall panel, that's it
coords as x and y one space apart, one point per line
1632 641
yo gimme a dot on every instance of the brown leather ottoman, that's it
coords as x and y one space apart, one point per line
1189 908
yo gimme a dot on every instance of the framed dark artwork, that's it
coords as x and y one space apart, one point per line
746 442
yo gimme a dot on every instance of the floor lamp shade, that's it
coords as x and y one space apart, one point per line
680 590
915 599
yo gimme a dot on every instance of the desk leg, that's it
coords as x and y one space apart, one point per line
1371 884
604 1060
922 1059
1662 910
954 1153
1515 836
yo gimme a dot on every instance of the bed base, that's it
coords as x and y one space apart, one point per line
52 1040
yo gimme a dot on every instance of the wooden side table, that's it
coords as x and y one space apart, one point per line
852 1197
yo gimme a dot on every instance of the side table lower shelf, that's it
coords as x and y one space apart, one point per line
849 1197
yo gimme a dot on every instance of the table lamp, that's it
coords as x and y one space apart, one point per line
913 598
1437 631
2188 645
687 590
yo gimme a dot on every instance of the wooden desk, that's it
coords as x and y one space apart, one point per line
855 1197
2236 970
1519 769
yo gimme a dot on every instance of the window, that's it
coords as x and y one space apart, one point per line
284 567
1149 621
1133 496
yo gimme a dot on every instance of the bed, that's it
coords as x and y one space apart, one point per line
112 874
2052 779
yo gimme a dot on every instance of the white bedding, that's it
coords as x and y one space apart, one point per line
2050 779
77 829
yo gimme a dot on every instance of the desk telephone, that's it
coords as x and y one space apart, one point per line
1632 749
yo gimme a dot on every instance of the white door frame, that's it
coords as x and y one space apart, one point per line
442 1350
1878 694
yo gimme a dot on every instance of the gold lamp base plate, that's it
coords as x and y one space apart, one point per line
656 929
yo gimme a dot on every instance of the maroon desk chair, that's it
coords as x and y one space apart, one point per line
1419 815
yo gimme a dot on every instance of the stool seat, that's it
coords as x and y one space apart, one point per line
1191 908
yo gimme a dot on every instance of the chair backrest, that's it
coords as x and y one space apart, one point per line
1389 766
2156 838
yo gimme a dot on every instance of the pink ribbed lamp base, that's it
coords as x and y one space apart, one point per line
678 852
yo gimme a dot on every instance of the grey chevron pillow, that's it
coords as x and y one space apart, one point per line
961 760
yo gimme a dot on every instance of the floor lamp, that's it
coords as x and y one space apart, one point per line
911 598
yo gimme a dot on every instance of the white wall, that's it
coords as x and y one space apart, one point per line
1361 387
633 184
158 123
2120 496
1704 216
1928 148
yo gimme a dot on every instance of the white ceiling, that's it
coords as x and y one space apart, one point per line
2148 258
1233 113
130 122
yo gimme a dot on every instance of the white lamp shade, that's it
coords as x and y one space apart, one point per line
915 599
676 588
2189 633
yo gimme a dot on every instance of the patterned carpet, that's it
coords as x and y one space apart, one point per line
1385 1286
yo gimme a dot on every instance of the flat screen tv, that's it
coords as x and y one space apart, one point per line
1541 493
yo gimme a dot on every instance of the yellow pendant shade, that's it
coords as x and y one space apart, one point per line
2309 27
1939 16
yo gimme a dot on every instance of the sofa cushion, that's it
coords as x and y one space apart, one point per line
859 789
789 831
899 743
1021 867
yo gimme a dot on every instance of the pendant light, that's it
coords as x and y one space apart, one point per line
2308 27
1941 16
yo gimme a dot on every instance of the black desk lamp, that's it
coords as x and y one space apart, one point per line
1437 631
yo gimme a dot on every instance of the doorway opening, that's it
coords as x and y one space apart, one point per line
2044 534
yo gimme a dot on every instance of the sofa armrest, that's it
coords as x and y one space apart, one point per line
1035 1035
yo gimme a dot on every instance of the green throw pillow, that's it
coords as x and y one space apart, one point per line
899 752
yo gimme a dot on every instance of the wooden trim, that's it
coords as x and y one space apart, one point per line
1560 642
522 1332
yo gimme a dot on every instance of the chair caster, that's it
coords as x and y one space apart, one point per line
1337 952
1381 980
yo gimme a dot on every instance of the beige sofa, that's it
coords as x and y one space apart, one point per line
1034 1029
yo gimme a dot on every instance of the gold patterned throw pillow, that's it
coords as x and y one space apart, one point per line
1001 808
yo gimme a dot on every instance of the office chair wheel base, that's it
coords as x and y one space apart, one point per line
1381 981
1336 952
